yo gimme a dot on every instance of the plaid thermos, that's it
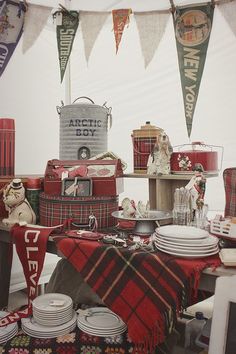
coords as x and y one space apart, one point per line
33 188
7 147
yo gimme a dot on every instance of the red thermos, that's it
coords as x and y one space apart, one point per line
7 147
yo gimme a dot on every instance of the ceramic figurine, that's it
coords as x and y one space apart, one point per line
128 208
18 207
197 187
159 159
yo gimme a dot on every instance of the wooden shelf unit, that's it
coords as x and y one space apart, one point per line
161 188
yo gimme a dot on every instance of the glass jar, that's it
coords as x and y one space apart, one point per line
181 214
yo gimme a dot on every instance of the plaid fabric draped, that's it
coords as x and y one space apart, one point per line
229 177
147 290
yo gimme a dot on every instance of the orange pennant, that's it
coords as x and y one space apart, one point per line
120 19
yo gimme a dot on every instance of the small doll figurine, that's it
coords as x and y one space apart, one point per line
18 207
159 159
197 187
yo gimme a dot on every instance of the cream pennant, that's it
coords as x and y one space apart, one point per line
120 20
35 19
228 10
151 27
91 25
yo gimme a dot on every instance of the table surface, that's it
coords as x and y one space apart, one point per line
207 281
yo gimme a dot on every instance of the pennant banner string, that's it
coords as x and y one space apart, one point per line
216 2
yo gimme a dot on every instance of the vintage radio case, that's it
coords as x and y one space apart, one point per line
106 175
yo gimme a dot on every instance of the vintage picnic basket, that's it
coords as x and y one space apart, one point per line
106 175
54 210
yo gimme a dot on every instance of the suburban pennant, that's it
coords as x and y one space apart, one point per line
192 32
11 28
67 24
120 19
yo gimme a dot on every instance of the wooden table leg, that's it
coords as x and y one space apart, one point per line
6 250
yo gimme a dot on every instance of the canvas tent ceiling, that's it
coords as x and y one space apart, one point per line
30 90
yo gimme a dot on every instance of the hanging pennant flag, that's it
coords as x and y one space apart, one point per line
228 10
11 27
151 26
35 19
67 24
91 25
120 19
192 31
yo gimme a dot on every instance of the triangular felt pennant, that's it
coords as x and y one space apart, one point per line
11 27
151 26
228 10
192 31
35 19
31 243
67 24
120 19
91 25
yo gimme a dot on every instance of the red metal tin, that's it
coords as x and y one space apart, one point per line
197 153
7 147
144 140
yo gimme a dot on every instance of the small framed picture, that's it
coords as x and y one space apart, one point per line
83 187
69 187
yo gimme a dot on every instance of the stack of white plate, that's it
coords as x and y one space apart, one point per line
9 331
53 315
100 321
52 309
185 241
36 330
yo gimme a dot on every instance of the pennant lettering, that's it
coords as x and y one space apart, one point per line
120 19
192 31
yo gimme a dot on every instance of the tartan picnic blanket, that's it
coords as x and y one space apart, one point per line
229 177
146 289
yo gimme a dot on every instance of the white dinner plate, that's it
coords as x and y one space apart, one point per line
209 242
44 302
8 329
49 335
182 231
101 333
30 324
186 250
101 318
187 255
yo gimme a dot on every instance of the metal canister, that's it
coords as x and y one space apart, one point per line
7 147
144 140
83 129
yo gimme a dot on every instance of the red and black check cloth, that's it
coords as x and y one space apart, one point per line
229 177
147 290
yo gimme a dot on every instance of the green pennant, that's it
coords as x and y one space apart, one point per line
192 32
65 37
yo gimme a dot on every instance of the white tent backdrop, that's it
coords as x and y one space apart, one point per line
30 91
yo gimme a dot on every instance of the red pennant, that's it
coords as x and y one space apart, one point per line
31 243
120 19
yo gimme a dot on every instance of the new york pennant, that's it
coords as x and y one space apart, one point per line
192 32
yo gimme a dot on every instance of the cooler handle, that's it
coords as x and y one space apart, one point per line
109 115
87 98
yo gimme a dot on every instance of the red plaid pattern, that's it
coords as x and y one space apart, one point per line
146 290
229 177
142 148
54 210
